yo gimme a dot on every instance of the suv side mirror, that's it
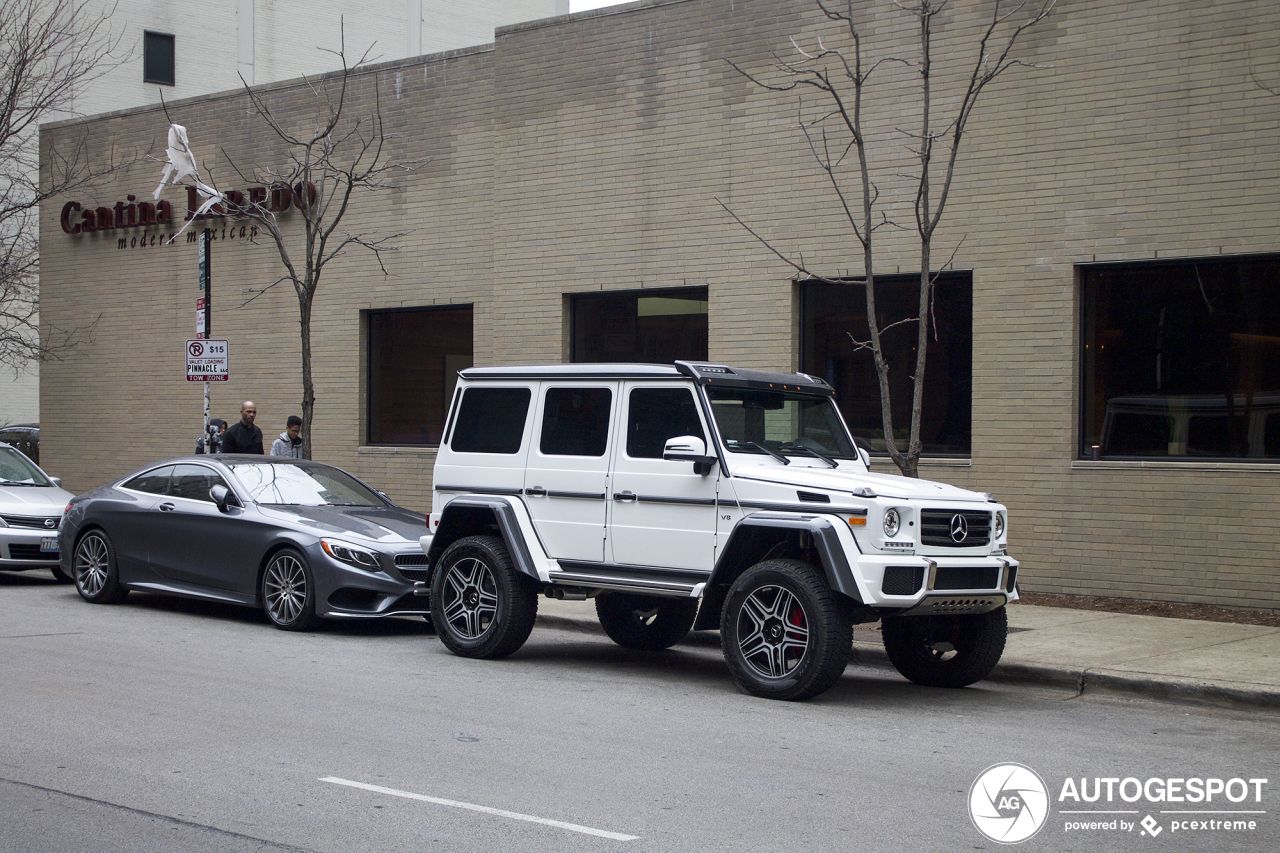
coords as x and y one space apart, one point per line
689 448
223 498
865 457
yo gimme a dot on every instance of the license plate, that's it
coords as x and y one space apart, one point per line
49 543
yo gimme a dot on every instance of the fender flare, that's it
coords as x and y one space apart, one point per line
457 521
835 565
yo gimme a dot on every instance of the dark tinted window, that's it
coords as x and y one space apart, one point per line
157 58
834 316
657 414
154 482
491 420
193 482
414 359
645 326
1181 359
575 421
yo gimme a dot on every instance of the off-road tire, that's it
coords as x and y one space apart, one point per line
946 651
783 632
646 623
481 606
97 575
287 592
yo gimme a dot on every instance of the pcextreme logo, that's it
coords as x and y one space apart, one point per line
1009 803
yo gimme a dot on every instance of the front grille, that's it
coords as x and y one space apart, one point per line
948 528
415 574
403 560
967 577
29 521
902 580
31 552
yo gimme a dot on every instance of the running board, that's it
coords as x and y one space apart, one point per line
673 588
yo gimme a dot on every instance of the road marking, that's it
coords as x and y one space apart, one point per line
408 795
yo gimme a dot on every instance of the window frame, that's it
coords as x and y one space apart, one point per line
147 35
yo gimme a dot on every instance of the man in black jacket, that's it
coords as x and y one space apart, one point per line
243 436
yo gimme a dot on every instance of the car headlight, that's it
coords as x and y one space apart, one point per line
892 523
350 554
999 526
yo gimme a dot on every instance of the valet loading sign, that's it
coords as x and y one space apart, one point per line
207 361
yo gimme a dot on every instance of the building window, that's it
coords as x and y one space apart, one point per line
157 58
832 316
646 326
414 359
1181 359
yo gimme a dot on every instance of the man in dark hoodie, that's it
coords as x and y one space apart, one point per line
289 443
213 442
243 436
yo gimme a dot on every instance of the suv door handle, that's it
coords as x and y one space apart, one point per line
536 491
624 496
167 507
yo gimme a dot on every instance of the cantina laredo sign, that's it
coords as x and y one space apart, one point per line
277 198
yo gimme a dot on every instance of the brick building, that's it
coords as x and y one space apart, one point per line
1112 285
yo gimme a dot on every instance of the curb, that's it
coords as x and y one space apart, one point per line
1084 681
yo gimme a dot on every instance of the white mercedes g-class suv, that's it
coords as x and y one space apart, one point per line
702 496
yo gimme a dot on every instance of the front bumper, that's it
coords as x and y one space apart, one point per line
924 585
20 548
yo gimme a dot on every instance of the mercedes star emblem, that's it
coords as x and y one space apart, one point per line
959 528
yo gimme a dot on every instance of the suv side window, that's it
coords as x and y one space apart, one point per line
152 482
575 421
657 414
490 420
193 482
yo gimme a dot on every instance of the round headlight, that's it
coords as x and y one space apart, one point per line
999 525
892 523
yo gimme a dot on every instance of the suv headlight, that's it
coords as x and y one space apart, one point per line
999 528
350 554
892 523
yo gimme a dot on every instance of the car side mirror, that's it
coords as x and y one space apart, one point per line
223 498
865 457
689 448
57 481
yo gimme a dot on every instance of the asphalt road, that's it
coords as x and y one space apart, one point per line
163 725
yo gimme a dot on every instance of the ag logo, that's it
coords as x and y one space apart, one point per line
1008 803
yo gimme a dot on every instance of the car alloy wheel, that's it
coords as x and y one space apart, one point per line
773 631
97 578
470 598
287 595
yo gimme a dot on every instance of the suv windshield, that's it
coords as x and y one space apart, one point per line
17 470
752 421
302 485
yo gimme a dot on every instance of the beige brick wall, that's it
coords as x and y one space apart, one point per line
587 154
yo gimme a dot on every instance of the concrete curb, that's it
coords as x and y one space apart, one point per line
1083 681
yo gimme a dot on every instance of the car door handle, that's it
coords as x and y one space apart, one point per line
167 507
624 496
536 491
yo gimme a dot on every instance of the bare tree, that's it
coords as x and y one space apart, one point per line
332 159
50 50
840 74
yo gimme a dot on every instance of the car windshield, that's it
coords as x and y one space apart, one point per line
752 421
18 470
302 485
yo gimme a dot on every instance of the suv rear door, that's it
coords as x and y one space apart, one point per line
567 472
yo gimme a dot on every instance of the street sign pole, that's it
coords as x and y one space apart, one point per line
204 315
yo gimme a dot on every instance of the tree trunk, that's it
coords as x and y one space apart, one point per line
308 386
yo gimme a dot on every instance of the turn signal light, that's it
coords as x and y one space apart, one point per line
855 521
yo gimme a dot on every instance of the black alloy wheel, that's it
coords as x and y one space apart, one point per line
946 651
97 575
481 605
645 622
287 592
783 632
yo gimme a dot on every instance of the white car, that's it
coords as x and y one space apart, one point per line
31 508
710 497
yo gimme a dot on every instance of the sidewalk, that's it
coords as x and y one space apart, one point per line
1153 657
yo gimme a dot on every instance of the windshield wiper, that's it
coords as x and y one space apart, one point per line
824 457
775 454
14 483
